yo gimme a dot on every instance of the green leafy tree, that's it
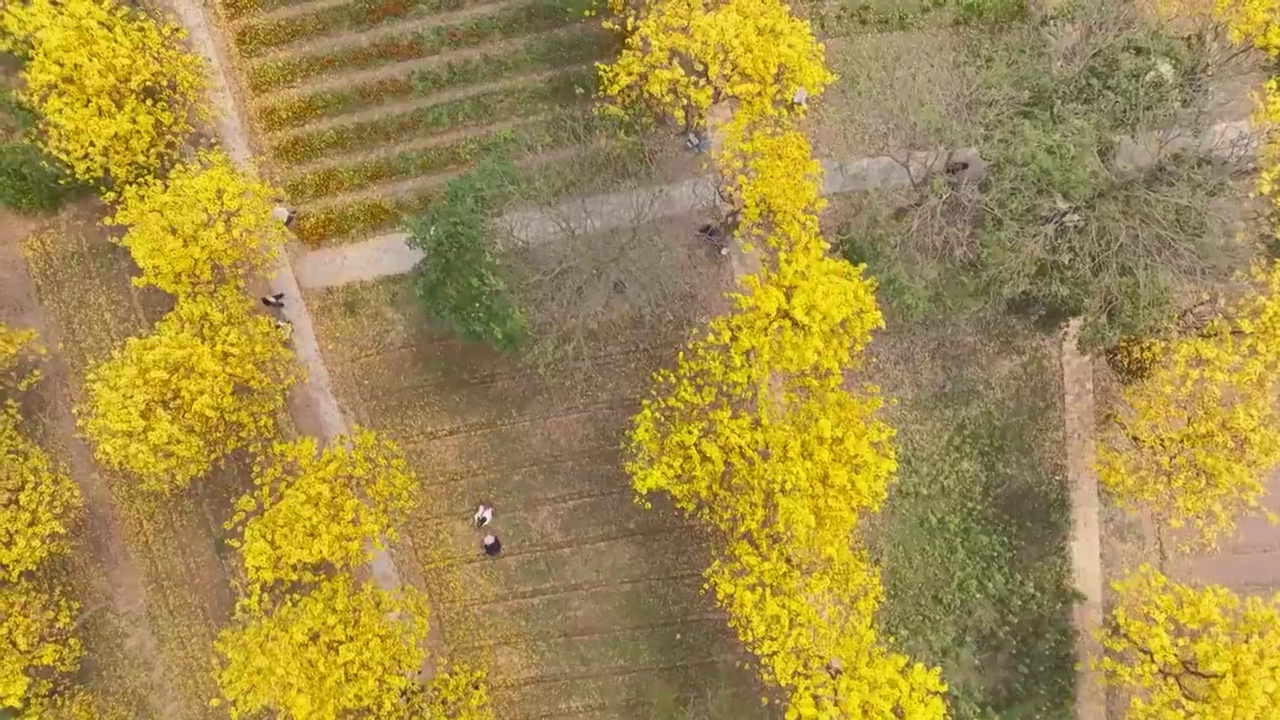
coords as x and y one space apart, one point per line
458 280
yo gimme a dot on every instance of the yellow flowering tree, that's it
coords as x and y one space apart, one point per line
206 226
19 349
38 652
680 57
456 691
1253 22
207 381
1184 652
755 433
1196 439
115 92
338 651
314 512
36 502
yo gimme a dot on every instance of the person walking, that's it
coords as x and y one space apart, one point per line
492 545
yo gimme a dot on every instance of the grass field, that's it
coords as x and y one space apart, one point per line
973 540
364 109
594 609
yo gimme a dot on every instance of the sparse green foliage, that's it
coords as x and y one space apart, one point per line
30 180
458 281
1067 221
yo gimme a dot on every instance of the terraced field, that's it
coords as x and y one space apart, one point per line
593 610
364 107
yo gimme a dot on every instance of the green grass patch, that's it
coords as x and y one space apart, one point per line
477 110
254 39
554 132
561 50
975 537
515 22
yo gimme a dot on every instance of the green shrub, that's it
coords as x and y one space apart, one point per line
458 280
29 181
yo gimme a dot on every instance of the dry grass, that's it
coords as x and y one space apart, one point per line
156 578
896 90
594 609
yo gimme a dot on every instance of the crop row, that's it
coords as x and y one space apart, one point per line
486 108
255 38
600 167
542 53
546 134
236 9
512 22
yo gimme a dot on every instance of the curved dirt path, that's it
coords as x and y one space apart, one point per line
312 403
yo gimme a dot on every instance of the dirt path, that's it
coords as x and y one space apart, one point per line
389 254
312 403
1086 544
120 583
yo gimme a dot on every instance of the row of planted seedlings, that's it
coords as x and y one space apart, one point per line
209 382
755 432
367 125
1193 445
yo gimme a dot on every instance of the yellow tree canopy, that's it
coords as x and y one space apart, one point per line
314 512
755 434
457 691
38 651
341 650
36 498
208 380
680 57
19 349
36 502
206 226
1184 652
1197 438
115 92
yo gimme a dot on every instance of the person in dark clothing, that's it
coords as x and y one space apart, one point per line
492 545
273 301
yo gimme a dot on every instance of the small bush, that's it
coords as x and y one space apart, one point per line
459 281
29 182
